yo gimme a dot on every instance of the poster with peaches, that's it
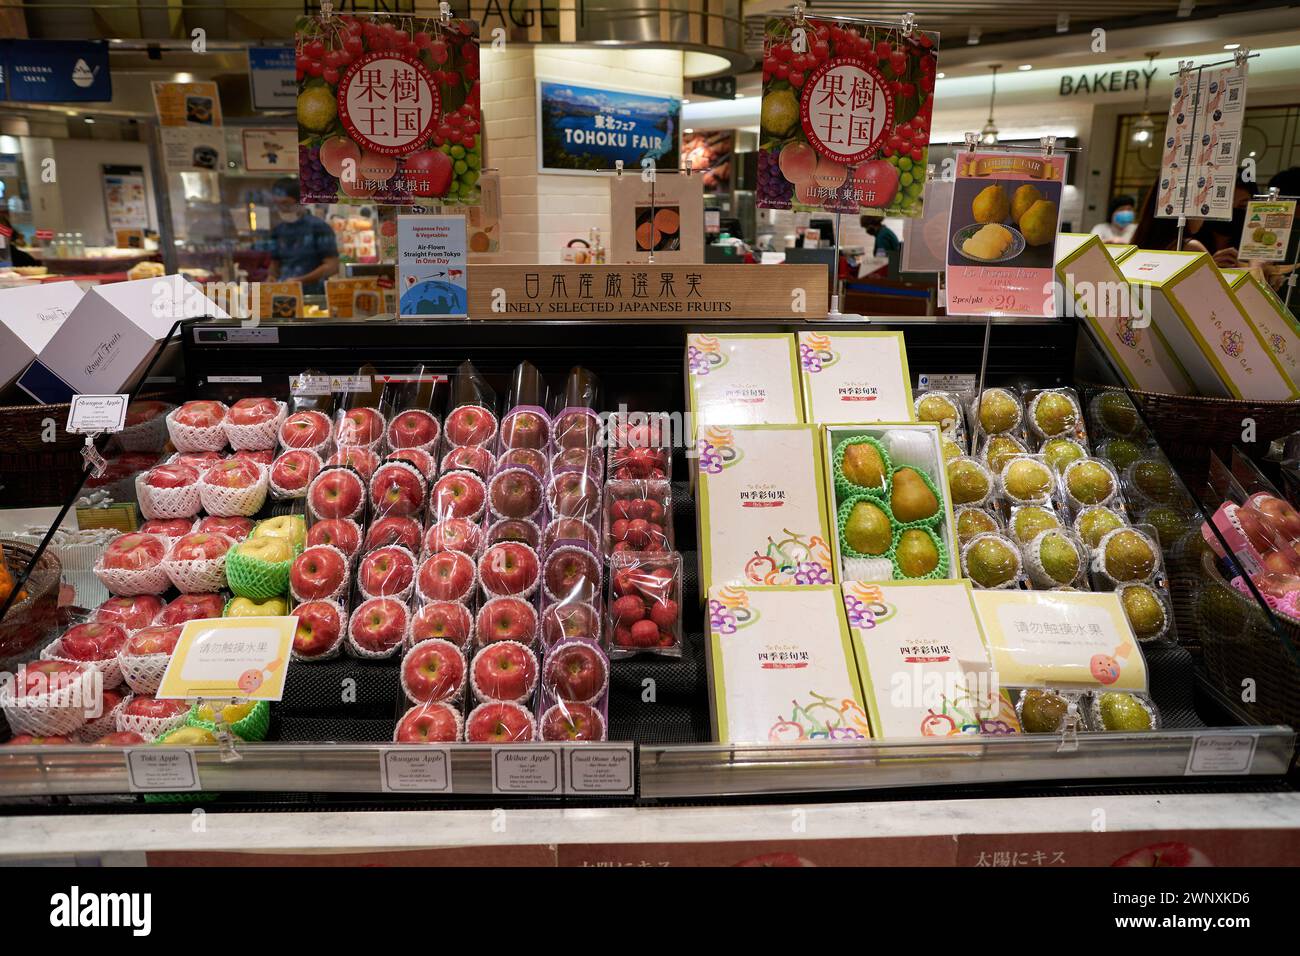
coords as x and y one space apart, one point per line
664 216
845 120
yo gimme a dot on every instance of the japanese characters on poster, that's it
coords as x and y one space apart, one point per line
581 129
710 154
189 121
431 258
388 110
1266 235
1202 135
845 122
1001 248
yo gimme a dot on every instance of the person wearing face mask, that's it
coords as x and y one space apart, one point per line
305 248
1121 221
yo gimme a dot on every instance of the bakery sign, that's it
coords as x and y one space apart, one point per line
648 291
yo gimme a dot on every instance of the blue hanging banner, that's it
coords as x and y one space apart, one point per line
55 71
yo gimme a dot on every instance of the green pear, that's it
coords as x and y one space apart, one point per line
863 465
867 530
916 555
911 498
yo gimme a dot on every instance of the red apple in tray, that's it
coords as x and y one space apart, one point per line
155 639
424 462
129 613
197 426
377 626
585 460
433 670
253 411
473 458
341 533
361 459
575 494
515 493
499 722
503 670
506 619
307 429
458 494
413 428
470 425
445 576
39 678
522 530
179 475
167 527
443 620
234 526
525 428
191 607
575 671
577 429
259 456
134 552
453 534
570 531
145 705
120 738
529 458
200 546
572 721
509 568
336 493
570 620
394 530
319 572
320 628
293 471
397 489
386 572
432 723
90 642
360 426
571 573
201 414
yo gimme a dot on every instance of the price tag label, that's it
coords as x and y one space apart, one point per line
599 769
946 382
97 414
526 769
152 769
416 769
1221 755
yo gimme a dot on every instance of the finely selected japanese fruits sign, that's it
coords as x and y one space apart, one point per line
388 110
845 117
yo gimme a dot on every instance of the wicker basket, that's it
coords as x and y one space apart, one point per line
36 473
29 621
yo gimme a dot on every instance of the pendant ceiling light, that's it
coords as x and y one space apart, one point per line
1144 127
989 134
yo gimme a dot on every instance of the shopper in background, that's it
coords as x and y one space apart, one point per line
1160 234
886 241
304 245
1121 221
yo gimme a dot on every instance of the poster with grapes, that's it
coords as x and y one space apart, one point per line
388 110
845 116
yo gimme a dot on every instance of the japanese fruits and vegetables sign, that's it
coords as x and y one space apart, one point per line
388 110
845 116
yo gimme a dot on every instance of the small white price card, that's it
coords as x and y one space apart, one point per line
1221 754
155 769
599 769
526 769
243 657
97 414
416 769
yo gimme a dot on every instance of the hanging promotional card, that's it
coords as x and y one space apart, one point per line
1006 209
845 121
431 261
1198 167
189 121
1266 236
270 149
925 238
855 377
664 216
388 110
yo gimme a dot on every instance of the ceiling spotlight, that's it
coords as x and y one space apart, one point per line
1231 46
90 120
973 38
1025 67
688 131
940 76
740 96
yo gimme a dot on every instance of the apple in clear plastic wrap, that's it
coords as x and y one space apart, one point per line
515 493
129 613
458 494
453 534
446 576
200 546
386 572
167 527
421 459
177 475
308 429
569 619
443 620
91 641
37 678
318 573
576 671
253 411
233 473
336 493
134 552
508 567
525 429
575 494
529 458
191 607
200 461
577 430
320 625
507 619
294 470
427 724
361 459
433 670
470 425
473 458
236 527
157 639
258 456
411 429
572 721
499 722
146 705
394 530
570 529
572 574
200 414
521 530
119 738
396 489
342 533
360 426
378 624
504 670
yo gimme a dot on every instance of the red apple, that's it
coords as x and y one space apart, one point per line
336 493
158 639
576 670
394 529
200 414
342 533
109 699
233 473
575 494
253 411
572 574
499 722
309 429
129 613
529 458
318 573
418 457
258 456
201 546
357 457
665 613
91 642
560 621
459 494
41 677
294 470
522 530
507 619
386 572
453 534
473 458
515 493
577 430
411 429
200 461
235 527
429 171
120 738
443 620
1164 854
192 607
320 624
379 624
645 634
470 425
145 705
27 740
525 429
360 426
572 721
570 529
446 576
508 567
397 489
433 670
134 552
504 670
428 724
583 460
167 527
171 476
